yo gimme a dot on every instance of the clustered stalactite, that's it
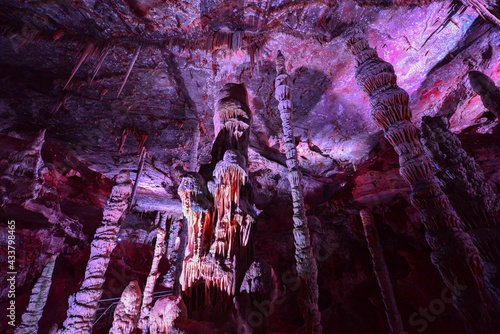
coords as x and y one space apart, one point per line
470 195
485 87
38 298
219 214
83 305
124 319
381 272
453 252
307 270
147 300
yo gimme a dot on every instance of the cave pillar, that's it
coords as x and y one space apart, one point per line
381 272
83 304
307 270
453 252
38 299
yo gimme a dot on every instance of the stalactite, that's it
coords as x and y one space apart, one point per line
38 298
127 309
382 274
129 70
219 249
87 52
470 195
306 264
83 305
453 252
485 87
147 300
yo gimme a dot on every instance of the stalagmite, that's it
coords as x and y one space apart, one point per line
453 252
166 311
38 298
147 300
382 274
83 305
127 309
470 195
306 264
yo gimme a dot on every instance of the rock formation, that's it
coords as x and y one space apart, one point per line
147 300
307 270
124 321
470 195
38 298
454 253
219 215
165 313
22 179
486 88
83 304
381 272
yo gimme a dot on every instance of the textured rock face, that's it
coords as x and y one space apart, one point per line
124 320
108 78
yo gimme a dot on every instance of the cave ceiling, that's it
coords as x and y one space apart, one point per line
187 50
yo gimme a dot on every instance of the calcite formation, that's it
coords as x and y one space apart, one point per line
147 300
38 299
124 319
219 248
486 88
307 270
22 179
470 195
83 305
165 312
380 268
454 253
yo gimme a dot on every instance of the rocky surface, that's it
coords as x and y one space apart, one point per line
188 51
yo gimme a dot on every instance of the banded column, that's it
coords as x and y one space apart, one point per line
147 299
453 252
83 305
38 299
381 272
307 270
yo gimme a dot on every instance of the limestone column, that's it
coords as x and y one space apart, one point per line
38 298
83 304
126 311
307 270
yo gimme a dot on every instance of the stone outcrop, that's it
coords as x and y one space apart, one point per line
165 313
